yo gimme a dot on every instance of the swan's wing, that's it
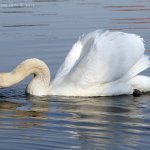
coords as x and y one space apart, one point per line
74 54
68 64
70 60
107 57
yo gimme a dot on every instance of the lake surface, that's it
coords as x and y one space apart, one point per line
46 29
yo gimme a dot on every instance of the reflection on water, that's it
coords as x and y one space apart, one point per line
25 111
77 123
47 29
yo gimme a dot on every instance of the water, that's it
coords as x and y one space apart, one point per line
46 29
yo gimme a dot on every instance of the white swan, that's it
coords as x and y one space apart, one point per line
101 63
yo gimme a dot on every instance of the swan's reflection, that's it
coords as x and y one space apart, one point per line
107 121
27 111
103 122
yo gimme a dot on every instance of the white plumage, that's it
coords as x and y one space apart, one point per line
100 63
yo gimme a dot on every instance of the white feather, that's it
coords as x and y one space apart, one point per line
104 57
103 60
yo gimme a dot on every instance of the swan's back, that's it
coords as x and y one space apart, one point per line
103 57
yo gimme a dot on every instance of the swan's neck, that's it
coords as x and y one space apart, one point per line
40 83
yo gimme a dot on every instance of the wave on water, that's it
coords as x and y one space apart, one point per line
16 5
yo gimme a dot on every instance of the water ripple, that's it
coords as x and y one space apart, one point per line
23 25
65 123
16 5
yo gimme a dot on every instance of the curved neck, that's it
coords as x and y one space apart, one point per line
39 84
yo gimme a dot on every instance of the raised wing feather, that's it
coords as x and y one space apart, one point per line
107 58
74 55
102 57
69 62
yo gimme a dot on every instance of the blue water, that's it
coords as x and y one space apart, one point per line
46 29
